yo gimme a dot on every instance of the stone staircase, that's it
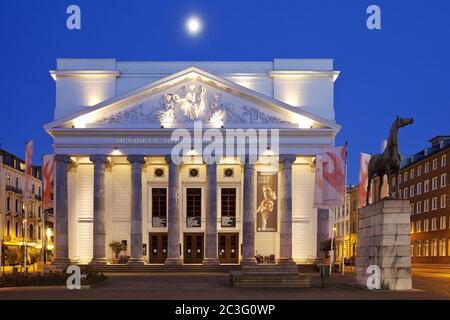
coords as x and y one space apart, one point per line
184 268
267 276
156 268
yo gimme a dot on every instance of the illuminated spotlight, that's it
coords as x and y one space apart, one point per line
193 25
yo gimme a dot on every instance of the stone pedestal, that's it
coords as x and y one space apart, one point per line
270 276
384 241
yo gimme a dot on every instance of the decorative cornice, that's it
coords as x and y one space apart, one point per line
84 73
304 74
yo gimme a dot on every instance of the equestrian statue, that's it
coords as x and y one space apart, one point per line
388 162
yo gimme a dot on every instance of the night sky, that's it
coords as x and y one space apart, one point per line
402 69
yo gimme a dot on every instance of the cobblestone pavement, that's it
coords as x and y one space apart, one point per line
207 286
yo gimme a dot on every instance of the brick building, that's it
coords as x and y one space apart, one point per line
423 180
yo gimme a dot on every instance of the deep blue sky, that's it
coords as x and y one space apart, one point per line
402 70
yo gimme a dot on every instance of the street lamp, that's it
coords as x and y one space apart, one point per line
331 249
25 245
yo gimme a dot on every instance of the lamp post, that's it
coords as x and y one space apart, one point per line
2 258
332 240
25 245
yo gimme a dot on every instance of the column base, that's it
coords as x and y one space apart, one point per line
248 262
62 263
210 262
286 262
173 262
136 261
99 261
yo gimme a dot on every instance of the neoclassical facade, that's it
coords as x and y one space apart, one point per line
130 140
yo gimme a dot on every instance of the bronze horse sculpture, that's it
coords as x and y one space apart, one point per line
388 162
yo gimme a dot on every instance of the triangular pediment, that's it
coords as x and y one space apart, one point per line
188 96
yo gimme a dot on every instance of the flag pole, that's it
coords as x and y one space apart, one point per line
332 239
43 216
345 210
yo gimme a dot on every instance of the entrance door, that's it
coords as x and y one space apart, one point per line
193 247
228 247
158 247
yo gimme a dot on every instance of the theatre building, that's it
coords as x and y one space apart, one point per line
116 125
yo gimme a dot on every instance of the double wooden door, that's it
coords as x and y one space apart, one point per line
158 247
228 247
193 248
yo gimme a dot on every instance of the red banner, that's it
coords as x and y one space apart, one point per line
48 172
334 160
28 169
363 179
318 185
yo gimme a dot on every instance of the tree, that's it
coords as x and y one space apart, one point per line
117 247
326 247
12 256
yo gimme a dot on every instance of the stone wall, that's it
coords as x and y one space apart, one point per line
384 240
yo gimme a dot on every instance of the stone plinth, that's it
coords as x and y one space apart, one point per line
384 241
269 276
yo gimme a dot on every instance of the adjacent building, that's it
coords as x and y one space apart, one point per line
423 180
21 220
117 178
346 224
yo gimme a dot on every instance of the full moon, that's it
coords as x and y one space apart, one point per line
193 25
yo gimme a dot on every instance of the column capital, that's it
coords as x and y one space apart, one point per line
286 161
287 158
136 159
99 158
62 158
168 158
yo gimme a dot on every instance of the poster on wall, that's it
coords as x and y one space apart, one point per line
159 222
266 202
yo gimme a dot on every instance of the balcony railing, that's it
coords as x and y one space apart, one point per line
13 189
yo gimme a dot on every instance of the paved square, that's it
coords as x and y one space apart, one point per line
207 286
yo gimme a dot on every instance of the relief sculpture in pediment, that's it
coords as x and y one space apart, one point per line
187 104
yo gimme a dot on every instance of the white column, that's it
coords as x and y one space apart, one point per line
286 209
136 209
173 216
211 251
99 252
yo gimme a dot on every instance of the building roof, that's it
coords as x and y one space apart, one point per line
438 144
15 162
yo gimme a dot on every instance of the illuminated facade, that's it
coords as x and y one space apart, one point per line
346 236
117 180
423 180
22 220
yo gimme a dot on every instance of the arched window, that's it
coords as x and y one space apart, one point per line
31 232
